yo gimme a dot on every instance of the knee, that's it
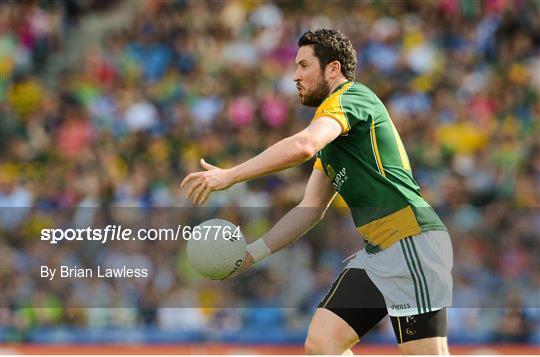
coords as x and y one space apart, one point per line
313 346
320 345
445 350
420 348
328 334
407 349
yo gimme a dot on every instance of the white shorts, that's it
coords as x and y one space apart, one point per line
413 275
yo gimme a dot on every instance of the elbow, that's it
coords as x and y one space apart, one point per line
313 210
305 148
319 216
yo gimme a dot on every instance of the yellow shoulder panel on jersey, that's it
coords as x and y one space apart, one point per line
331 107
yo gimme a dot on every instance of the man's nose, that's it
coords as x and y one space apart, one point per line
296 76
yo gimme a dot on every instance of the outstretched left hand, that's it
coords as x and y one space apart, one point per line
201 184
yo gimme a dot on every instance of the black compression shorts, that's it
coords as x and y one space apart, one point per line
356 299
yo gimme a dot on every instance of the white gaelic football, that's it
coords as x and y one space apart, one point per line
216 248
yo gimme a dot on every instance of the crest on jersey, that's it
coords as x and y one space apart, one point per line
330 171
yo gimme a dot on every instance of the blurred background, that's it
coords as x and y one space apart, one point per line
108 104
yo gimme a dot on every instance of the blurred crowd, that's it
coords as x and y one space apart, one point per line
184 80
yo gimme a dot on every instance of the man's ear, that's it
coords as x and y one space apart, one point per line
333 68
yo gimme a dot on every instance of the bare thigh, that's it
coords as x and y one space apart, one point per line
329 334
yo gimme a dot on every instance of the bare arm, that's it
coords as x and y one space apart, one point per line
290 151
317 197
286 153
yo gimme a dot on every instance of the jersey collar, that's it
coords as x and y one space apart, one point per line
340 86
335 90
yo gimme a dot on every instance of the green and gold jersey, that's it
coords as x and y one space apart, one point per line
369 167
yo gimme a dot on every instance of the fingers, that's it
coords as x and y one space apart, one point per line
200 184
196 185
204 195
198 192
187 179
194 175
193 186
198 188
248 262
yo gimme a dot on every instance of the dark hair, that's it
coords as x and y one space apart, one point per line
331 45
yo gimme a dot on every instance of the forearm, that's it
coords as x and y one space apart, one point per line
292 226
286 153
318 195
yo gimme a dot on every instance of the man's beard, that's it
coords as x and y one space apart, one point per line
315 97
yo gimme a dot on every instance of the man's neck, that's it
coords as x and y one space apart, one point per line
337 83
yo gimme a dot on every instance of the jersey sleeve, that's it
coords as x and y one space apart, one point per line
318 164
332 108
334 112
348 106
